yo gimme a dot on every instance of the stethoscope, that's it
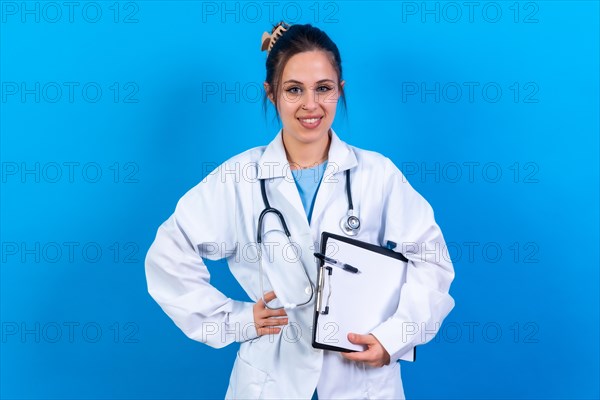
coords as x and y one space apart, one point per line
350 225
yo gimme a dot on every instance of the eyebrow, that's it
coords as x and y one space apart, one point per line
300 83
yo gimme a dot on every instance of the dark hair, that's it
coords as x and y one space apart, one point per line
299 39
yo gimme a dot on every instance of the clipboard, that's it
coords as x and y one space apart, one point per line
355 302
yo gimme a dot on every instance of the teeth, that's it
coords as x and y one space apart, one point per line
310 120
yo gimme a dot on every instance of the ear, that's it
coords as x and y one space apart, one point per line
269 92
342 83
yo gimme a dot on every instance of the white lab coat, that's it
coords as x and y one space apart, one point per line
218 218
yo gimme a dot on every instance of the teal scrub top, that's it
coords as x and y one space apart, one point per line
308 181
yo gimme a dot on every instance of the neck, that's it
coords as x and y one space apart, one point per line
306 155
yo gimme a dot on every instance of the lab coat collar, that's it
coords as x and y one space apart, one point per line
274 164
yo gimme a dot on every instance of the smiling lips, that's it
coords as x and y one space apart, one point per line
310 122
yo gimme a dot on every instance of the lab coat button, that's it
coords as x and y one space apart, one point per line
307 290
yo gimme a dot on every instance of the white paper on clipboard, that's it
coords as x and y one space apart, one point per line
348 302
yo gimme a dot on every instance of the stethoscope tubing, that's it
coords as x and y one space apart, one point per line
259 238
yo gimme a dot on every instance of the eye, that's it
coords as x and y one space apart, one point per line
293 90
324 88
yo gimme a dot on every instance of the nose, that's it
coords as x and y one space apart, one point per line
309 102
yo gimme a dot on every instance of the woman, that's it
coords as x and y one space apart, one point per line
302 173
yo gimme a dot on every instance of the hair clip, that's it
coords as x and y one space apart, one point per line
268 40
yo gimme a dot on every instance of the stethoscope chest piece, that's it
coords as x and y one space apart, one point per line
350 224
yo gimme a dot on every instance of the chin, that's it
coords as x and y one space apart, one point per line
309 136
304 135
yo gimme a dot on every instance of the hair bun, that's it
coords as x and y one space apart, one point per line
269 39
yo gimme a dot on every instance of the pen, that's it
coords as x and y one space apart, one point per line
345 267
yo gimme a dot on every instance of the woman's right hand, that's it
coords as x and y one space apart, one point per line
267 321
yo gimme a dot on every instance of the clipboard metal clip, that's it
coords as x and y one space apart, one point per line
320 290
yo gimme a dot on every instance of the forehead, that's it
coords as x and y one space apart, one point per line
309 66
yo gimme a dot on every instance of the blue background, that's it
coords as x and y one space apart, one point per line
188 74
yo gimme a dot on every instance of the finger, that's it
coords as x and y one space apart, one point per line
275 313
366 357
362 356
265 312
269 296
355 338
274 321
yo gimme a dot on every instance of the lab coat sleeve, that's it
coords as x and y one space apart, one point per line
408 221
203 225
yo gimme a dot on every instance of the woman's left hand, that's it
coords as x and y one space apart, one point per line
374 356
